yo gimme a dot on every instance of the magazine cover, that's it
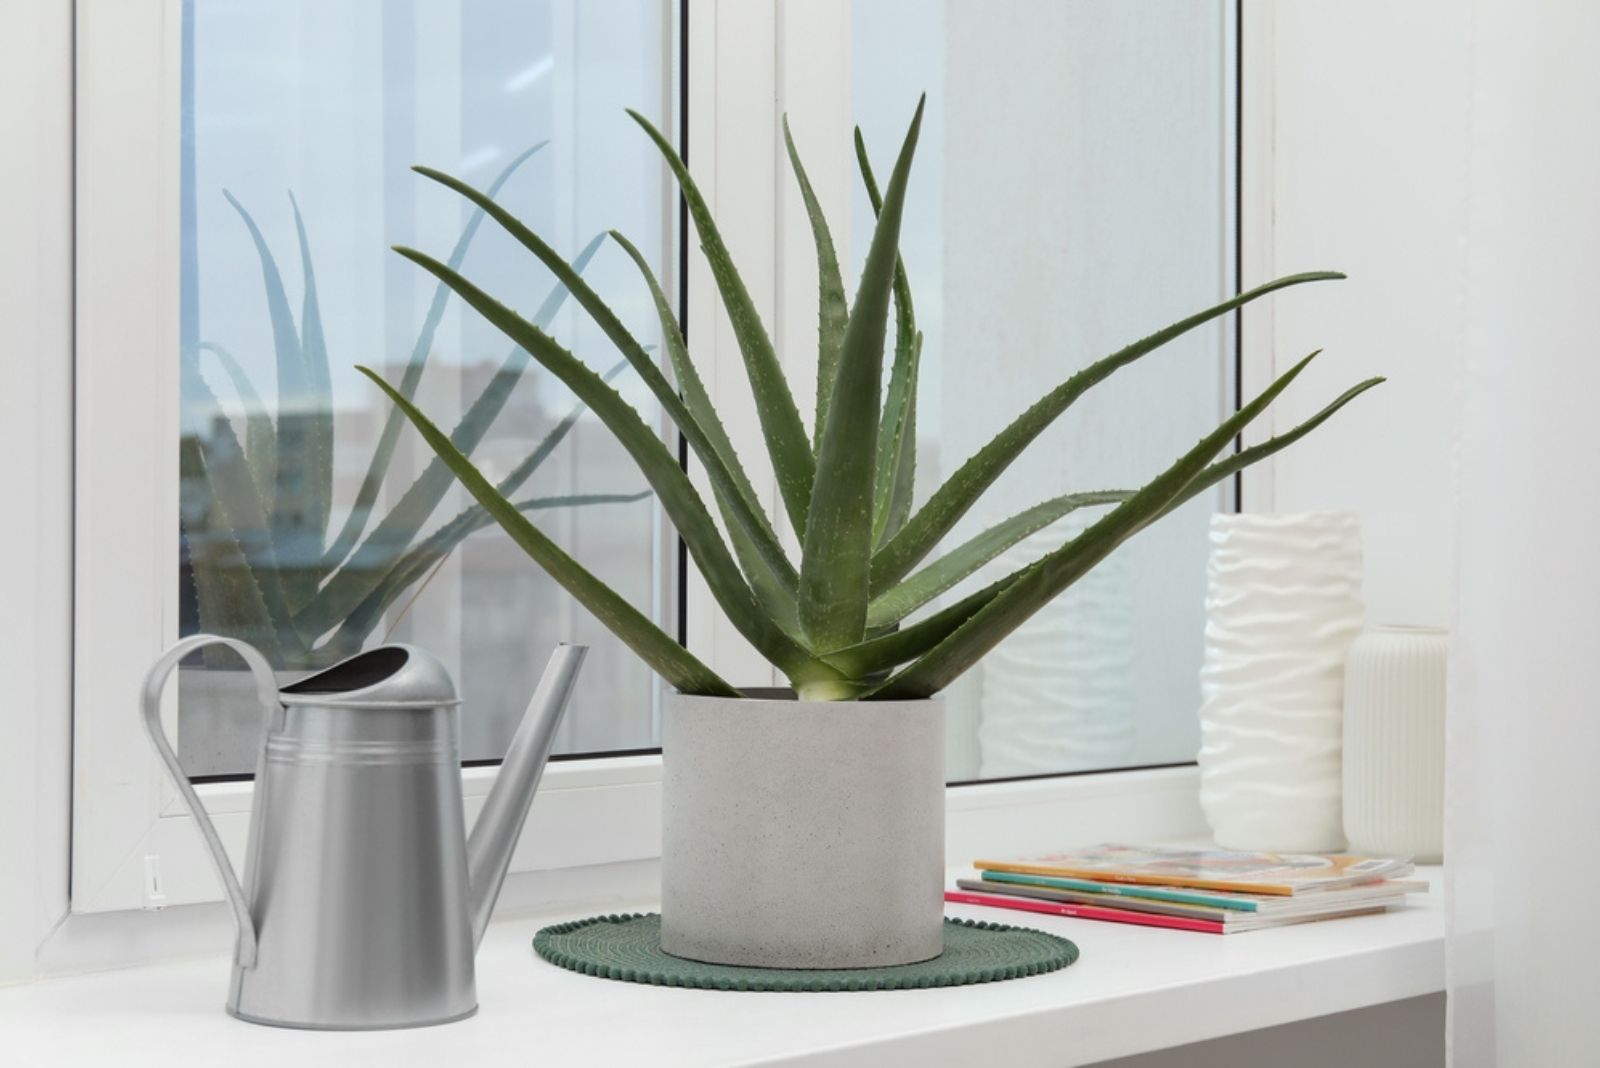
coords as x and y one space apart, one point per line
1211 869
1234 900
1244 922
1272 910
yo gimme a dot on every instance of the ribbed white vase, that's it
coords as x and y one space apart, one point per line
1394 698
1283 605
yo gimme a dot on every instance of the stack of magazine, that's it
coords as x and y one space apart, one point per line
1211 890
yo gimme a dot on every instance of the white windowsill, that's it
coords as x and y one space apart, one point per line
1133 991
594 829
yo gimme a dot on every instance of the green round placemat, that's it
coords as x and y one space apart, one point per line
628 948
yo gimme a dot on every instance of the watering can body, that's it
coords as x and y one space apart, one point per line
364 899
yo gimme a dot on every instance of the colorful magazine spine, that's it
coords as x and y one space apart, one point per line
1139 878
1153 893
1084 912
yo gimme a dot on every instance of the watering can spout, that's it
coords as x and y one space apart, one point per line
495 835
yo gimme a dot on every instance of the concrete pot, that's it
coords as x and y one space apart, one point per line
802 834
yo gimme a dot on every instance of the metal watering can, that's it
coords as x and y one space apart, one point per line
364 899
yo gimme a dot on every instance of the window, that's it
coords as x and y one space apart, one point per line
1055 215
313 519
235 157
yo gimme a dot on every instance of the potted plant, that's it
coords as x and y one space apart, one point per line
807 830
264 561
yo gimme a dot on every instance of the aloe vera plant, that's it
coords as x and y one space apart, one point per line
839 624
268 565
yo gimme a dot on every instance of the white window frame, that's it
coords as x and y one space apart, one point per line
133 845
118 321
36 433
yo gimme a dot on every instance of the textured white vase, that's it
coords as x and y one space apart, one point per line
1057 694
1283 605
1394 697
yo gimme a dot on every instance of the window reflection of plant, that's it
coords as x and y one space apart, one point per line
257 529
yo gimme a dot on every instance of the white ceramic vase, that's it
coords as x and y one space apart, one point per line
1394 700
802 834
1283 605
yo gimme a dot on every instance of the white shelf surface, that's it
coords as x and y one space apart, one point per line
1133 990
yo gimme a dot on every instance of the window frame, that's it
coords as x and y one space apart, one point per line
36 196
597 811
133 844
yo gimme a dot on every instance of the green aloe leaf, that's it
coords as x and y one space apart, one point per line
429 553
906 597
1232 465
365 567
951 501
785 434
837 556
319 414
753 532
1040 583
902 459
659 466
259 435
832 312
410 566
383 454
774 583
897 438
886 651
666 657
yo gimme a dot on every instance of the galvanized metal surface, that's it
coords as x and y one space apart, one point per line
358 910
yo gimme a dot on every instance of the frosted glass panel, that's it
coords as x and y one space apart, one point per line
323 108
1072 193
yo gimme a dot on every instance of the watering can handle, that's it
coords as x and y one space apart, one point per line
267 692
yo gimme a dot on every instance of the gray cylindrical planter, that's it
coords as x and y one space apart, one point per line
802 834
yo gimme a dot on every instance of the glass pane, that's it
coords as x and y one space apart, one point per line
321 109
1057 212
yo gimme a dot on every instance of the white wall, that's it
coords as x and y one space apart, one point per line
1522 792
1368 143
